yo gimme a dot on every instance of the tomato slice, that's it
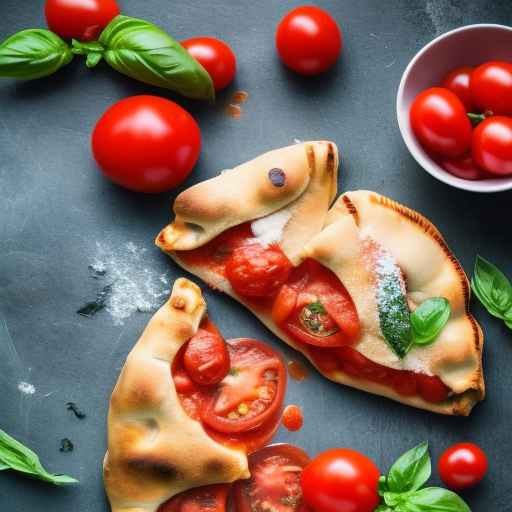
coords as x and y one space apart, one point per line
315 308
275 481
210 498
251 393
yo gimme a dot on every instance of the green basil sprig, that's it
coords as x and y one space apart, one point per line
493 289
401 489
428 320
143 51
33 53
16 456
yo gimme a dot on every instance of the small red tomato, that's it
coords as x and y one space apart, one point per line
308 40
216 57
80 19
458 82
431 388
462 465
341 480
439 120
146 143
491 87
463 167
492 145
293 418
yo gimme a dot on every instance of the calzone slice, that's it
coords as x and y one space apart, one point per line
180 416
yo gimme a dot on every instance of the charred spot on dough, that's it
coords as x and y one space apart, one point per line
160 469
310 154
277 177
178 303
351 208
330 158
214 466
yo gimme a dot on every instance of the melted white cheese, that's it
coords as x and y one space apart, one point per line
269 229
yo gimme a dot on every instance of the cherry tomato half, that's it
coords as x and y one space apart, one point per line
252 392
80 19
275 481
492 145
439 121
257 271
341 480
210 498
462 465
308 40
491 87
458 82
206 358
146 143
215 56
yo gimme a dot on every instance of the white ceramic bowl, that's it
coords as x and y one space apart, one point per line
465 46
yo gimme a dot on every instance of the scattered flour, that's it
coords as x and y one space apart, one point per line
26 387
297 141
134 286
269 229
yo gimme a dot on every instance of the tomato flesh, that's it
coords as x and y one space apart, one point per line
491 87
275 481
492 145
463 465
341 480
209 498
216 57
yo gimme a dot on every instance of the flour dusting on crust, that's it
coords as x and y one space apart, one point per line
269 230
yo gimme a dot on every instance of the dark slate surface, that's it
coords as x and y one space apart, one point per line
55 207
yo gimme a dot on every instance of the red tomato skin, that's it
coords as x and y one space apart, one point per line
308 40
80 19
146 143
463 167
293 418
491 87
439 121
458 81
492 145
216 57
209 498
341 480
462 465
431 389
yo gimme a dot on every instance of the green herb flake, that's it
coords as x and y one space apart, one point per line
66 445
316 307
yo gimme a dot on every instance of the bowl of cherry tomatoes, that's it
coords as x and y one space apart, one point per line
454 108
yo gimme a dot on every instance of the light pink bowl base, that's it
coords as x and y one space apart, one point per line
465 46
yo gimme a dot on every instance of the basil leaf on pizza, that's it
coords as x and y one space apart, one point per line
428 320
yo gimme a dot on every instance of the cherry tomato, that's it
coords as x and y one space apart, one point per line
293 418
431 388
439 121
308 40
251 393
463 167
257 271
206 358
315 308
80 19
210 498
275 481
216 57
491 87
462 465
458 82
492 145
146 143
341 480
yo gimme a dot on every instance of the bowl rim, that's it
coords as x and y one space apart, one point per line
484 186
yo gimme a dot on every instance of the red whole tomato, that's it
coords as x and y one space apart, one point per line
458 82
341 480
293 418
439 121
491 87
210 498
463 167
275 481
257 271
462 465
146 143
80 19
492 145
216 57
308 40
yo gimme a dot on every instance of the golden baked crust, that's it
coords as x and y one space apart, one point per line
155 450
302 178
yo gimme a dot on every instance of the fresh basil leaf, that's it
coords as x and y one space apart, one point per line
484 300
492 285
428 320
383 485
3 466
383 508
435 499
411 470
33 53
393 499
145 52
18 457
